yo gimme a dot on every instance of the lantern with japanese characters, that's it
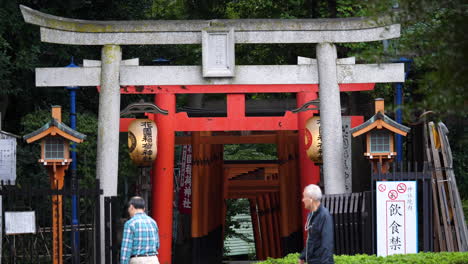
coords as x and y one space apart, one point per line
142 141
313 140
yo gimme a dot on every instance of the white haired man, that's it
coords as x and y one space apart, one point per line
319 227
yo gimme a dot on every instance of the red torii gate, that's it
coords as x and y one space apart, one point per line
236 120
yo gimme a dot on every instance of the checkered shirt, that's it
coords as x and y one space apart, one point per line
140 237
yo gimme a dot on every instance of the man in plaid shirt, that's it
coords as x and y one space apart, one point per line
140 242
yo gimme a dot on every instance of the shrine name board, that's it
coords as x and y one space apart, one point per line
218 52
8 160
397 211
185 192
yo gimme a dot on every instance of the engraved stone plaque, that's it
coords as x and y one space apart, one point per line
218 52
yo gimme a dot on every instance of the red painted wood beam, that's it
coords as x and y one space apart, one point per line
184 123
244 88
286 122
236 106
163 178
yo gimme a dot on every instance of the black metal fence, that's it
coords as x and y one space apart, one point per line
351 218
37 247
113 228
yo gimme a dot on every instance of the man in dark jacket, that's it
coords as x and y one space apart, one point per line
319 227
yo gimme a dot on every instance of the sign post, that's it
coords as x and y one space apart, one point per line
397 229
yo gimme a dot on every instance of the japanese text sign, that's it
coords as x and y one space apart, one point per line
8 160
185 193
396 217
20 222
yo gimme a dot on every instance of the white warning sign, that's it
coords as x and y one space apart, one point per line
397 226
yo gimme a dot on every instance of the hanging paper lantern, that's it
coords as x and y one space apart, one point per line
313 139
142 141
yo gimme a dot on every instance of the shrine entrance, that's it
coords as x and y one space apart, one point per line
274 189
219 74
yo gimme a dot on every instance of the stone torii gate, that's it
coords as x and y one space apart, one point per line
218 38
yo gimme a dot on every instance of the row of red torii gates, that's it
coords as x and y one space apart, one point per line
274 190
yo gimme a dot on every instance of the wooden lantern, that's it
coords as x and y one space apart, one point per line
380 130
55 139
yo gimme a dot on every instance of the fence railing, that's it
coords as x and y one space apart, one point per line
113 228
37 247
351 218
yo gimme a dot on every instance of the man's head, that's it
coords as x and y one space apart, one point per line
136 205
311 197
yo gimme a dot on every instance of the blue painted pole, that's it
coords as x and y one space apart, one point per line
74 180
399 112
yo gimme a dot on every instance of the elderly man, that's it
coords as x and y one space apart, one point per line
319 227
140 242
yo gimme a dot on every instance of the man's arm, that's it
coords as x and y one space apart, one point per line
127 244
327 240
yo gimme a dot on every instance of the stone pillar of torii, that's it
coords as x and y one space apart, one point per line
218 38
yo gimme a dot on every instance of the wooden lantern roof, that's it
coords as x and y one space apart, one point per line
55 127
379 121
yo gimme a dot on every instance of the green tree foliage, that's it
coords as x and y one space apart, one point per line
458 137
434 37
250 152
